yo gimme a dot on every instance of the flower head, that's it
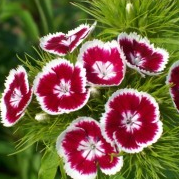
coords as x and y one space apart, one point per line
16 97
173 78
131 120
141 55
61 87
104 62
61 44
84 149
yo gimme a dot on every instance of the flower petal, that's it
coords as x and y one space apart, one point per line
61 44
83 147
104 62
172 79
141 55
16 97
54 43
60 87
76 165
79 34
131 120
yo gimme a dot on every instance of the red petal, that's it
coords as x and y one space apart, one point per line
16 96
104 62
141 55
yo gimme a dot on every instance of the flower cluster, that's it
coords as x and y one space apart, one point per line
131 120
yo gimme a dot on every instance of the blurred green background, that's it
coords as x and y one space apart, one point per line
22 22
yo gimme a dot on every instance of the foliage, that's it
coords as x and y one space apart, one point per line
22 22
156 19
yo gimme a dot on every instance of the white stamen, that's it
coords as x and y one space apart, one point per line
91 148
137 59
69 40
104 70
130 121
62 89
16 97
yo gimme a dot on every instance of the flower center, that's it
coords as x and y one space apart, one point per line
136 59
90 148
62 89
131 121
68 41
104 70
16 97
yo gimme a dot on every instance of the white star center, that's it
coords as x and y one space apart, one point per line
137 59
91 148
62 89
16 97
104 70
131 121
68 41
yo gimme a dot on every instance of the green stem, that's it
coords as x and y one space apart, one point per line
42 16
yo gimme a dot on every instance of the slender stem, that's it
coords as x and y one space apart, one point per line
42 15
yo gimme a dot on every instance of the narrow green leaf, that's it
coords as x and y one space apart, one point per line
48 12
42 16
49 164
28 23
63 174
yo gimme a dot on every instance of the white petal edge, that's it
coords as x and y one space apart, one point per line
48 69
134 36
156 137
9 80
139 94
168 78
114 169
127 150
90 29
106 46
61 152
45 39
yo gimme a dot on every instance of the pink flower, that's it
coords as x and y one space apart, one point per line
104 62
84 149
16 97
61 44
131 120
141 55
61 87
173 78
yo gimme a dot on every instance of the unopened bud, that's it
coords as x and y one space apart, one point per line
129 7
41 116
94 91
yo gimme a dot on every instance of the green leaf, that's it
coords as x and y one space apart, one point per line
49 164
6 148
28 23
116 177
63 174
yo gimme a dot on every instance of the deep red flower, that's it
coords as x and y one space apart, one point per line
16 97
104 62
131 120
61 87
173 79
61 44
84 149
141 55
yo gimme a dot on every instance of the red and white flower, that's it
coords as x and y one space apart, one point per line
141 55
61 44
84 149
104 62
16 97
61 87
131 120
173 78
